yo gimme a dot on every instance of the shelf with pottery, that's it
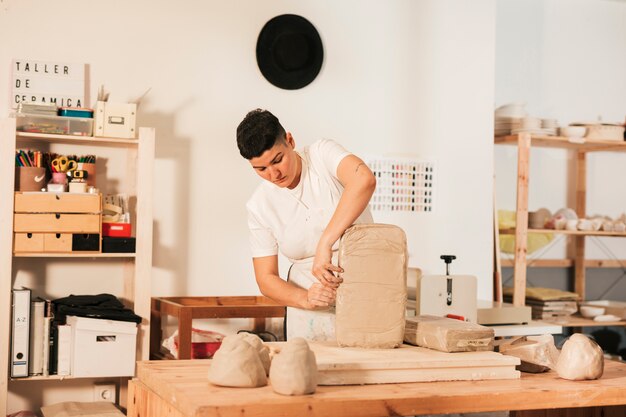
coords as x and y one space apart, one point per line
581 147
133 160
567 232
579 144
568 263
577 320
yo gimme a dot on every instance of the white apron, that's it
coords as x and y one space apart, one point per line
309 324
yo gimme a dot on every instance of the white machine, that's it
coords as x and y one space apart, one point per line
447 295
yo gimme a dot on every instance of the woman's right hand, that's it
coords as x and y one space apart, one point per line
320 295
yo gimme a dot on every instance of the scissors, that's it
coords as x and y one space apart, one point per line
63 164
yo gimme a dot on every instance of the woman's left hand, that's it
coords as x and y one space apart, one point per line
323 268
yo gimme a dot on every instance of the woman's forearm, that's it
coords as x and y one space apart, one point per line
282 292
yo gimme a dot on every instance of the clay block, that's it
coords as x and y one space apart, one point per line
371 301
448 335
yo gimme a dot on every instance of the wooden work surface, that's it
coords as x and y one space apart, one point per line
180 388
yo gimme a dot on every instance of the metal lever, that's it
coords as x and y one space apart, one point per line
448 260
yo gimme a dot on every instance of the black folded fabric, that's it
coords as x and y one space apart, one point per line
101 306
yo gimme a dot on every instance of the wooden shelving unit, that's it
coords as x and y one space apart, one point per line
524 142
138 158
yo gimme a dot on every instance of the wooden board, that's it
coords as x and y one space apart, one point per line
353 366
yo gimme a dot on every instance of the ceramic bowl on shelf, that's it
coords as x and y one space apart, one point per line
538 219
511 110
591 311
573 131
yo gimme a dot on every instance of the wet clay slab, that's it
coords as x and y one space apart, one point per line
349 366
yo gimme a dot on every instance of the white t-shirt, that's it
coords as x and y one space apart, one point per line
293 220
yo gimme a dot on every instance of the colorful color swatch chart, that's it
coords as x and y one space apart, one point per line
402 184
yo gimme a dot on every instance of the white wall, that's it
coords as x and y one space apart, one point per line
398 77
566 60
410 77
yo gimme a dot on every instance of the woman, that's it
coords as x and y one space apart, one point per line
307 201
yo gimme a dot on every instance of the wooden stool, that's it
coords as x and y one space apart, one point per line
188 308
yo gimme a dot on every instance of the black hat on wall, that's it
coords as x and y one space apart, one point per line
289 52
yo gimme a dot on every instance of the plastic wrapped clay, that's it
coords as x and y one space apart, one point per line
370 306
581 358
237 364
263 351
447 335
294 370
538 353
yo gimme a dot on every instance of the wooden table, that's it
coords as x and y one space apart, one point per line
185 309
181 389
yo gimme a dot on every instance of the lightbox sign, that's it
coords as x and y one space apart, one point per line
44 82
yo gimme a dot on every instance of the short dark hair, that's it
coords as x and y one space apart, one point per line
258 132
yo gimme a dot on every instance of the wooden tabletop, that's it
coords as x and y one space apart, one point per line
184 386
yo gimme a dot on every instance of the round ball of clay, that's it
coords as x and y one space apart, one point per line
581 358
237 364
294 370
263 351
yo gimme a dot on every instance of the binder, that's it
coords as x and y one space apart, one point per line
46 345
37 336
53 345
20 332
64 351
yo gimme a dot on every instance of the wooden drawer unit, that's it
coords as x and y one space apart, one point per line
57 203
56 223
49 222
57 242
28 242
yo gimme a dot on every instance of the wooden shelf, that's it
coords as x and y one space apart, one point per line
579 321
76 140
568 263
582 144
567 232
60 377
74 255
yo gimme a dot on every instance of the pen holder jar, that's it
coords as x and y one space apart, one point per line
59 178
90 168
30 178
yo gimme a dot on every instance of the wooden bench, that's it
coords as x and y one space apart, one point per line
185 309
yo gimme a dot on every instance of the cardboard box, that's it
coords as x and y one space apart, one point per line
102 347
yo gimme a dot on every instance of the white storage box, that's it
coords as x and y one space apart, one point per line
115 120
102 347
